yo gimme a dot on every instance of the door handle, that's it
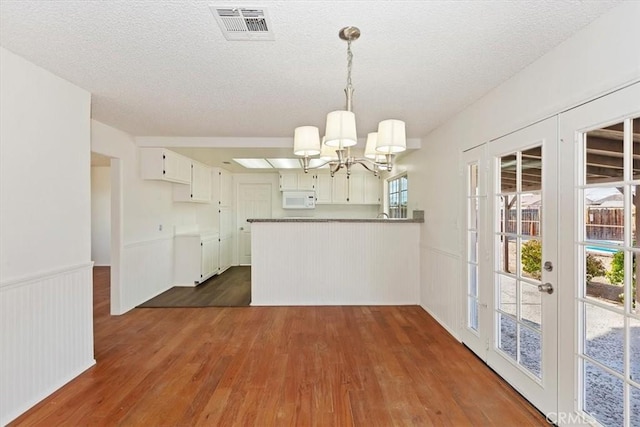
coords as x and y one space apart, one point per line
547 287
241 228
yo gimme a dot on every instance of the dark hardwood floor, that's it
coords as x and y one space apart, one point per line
262 366
230 289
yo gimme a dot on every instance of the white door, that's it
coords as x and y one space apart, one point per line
476 331
254 201
523 200
600 317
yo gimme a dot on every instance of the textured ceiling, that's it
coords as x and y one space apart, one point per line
163 68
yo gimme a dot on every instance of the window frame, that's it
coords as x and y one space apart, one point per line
397 210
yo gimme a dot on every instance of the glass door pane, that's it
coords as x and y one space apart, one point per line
518 241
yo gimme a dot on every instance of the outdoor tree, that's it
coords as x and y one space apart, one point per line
616 274
532 258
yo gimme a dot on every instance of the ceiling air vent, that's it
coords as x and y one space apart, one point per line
243 23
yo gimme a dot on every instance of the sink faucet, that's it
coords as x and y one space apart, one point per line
383 215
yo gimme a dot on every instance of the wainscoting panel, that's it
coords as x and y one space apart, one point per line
334 263
441 287
46 339
147 271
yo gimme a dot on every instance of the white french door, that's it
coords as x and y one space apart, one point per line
599 333
254 201
523 226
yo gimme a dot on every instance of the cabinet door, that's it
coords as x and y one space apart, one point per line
209 251
324 188
356 189
372 187
306 181
340 189
227 229
176 168
288 181
164 165
226 226
200 182
225 253
226 188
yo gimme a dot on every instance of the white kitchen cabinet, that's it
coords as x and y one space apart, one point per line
196 258
221 187
226 188
324 188
226 253
199 190
340 189
372 190
165 165
355 189
290 181
227 229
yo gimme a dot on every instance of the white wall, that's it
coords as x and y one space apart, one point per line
598 59
101 215
146 251
384 267
46 325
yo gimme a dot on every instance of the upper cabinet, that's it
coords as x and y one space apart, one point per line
372 190
222 187
162 164
355 189
292 181
226 188
324 190
340 189
199 189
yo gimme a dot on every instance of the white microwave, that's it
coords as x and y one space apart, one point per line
298 200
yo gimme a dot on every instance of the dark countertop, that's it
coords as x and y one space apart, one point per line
376 220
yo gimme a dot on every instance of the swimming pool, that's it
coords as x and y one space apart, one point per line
603 250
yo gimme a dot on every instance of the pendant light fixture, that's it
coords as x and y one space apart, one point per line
340 133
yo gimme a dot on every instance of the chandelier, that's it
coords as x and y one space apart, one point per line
340 133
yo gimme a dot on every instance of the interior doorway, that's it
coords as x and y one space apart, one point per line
106 222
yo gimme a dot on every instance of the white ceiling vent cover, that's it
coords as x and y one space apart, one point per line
243 23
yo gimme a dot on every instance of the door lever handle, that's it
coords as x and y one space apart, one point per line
547 287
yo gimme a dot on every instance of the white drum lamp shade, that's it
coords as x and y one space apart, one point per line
370 148
341 129
391 137
306 141
327 153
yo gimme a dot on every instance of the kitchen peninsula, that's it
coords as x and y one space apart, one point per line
314 261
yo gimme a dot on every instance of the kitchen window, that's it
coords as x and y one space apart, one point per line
397 189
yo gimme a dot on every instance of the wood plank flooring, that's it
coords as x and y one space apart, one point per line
263 366
230 289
